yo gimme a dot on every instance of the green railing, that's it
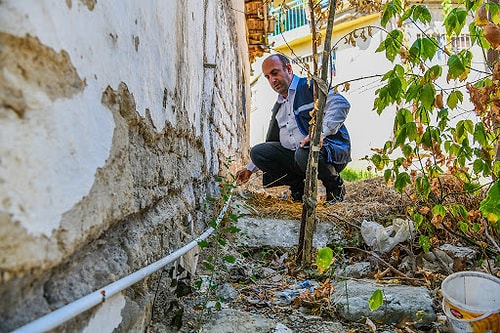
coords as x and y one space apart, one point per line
293 17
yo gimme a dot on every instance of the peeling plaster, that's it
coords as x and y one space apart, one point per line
108 316
90 4
37 66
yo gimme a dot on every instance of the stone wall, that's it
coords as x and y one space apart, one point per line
115 118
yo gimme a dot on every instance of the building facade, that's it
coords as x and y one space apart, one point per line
116 117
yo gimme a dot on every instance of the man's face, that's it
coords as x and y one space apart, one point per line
278 78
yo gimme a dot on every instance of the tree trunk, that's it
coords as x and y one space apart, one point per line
308 222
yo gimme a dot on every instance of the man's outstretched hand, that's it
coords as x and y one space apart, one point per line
242 176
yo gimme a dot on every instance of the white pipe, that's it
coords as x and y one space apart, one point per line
61 315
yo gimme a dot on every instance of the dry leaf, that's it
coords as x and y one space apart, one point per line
492 34
371 325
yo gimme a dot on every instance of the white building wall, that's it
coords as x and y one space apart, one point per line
114 119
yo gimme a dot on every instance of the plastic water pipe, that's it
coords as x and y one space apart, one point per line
71 310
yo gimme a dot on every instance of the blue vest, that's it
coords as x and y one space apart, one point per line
337 146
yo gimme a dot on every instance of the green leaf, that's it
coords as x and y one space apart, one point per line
469 126
387 175
464 227
439 210
197 284
203 244
463 128
401 136
376 300
392 44
433 73
455 66
490 206
233 229
390 10
459 65
455 21
403 117
453 99
422 113
419 219
427 96
496 169
471 187
402 179
395 86
324 259
424 242
423 49
480 135
422 186
459 210
378 161
208 266
478 166
230 259
422 14
407 150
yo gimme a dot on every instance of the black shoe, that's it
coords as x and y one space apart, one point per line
297 196
297 192
337 194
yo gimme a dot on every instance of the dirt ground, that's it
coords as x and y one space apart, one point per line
371 200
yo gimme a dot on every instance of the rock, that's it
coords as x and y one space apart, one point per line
435 261
401 303
280 328
357 270
261 232
227 292
463 257
407 264
230 321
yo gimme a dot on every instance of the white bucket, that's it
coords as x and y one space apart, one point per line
471 302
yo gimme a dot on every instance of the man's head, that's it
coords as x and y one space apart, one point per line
278 71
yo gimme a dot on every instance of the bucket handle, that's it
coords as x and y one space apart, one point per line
448 313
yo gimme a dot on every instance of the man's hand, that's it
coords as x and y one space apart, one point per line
242 176
305 142
307 139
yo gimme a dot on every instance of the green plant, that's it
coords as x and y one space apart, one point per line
352 175
376 300
224 230
431 144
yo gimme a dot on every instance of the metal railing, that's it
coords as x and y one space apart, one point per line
292 17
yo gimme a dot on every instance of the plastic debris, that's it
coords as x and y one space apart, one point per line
384 239
288 295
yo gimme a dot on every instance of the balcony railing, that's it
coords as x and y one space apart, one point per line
293 17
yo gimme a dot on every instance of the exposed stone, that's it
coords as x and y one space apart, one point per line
230 321
284 233
401 303
357 270
463 257
27 60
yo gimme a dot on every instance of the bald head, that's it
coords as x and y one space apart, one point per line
278 72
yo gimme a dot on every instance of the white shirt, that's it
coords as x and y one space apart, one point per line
290 135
